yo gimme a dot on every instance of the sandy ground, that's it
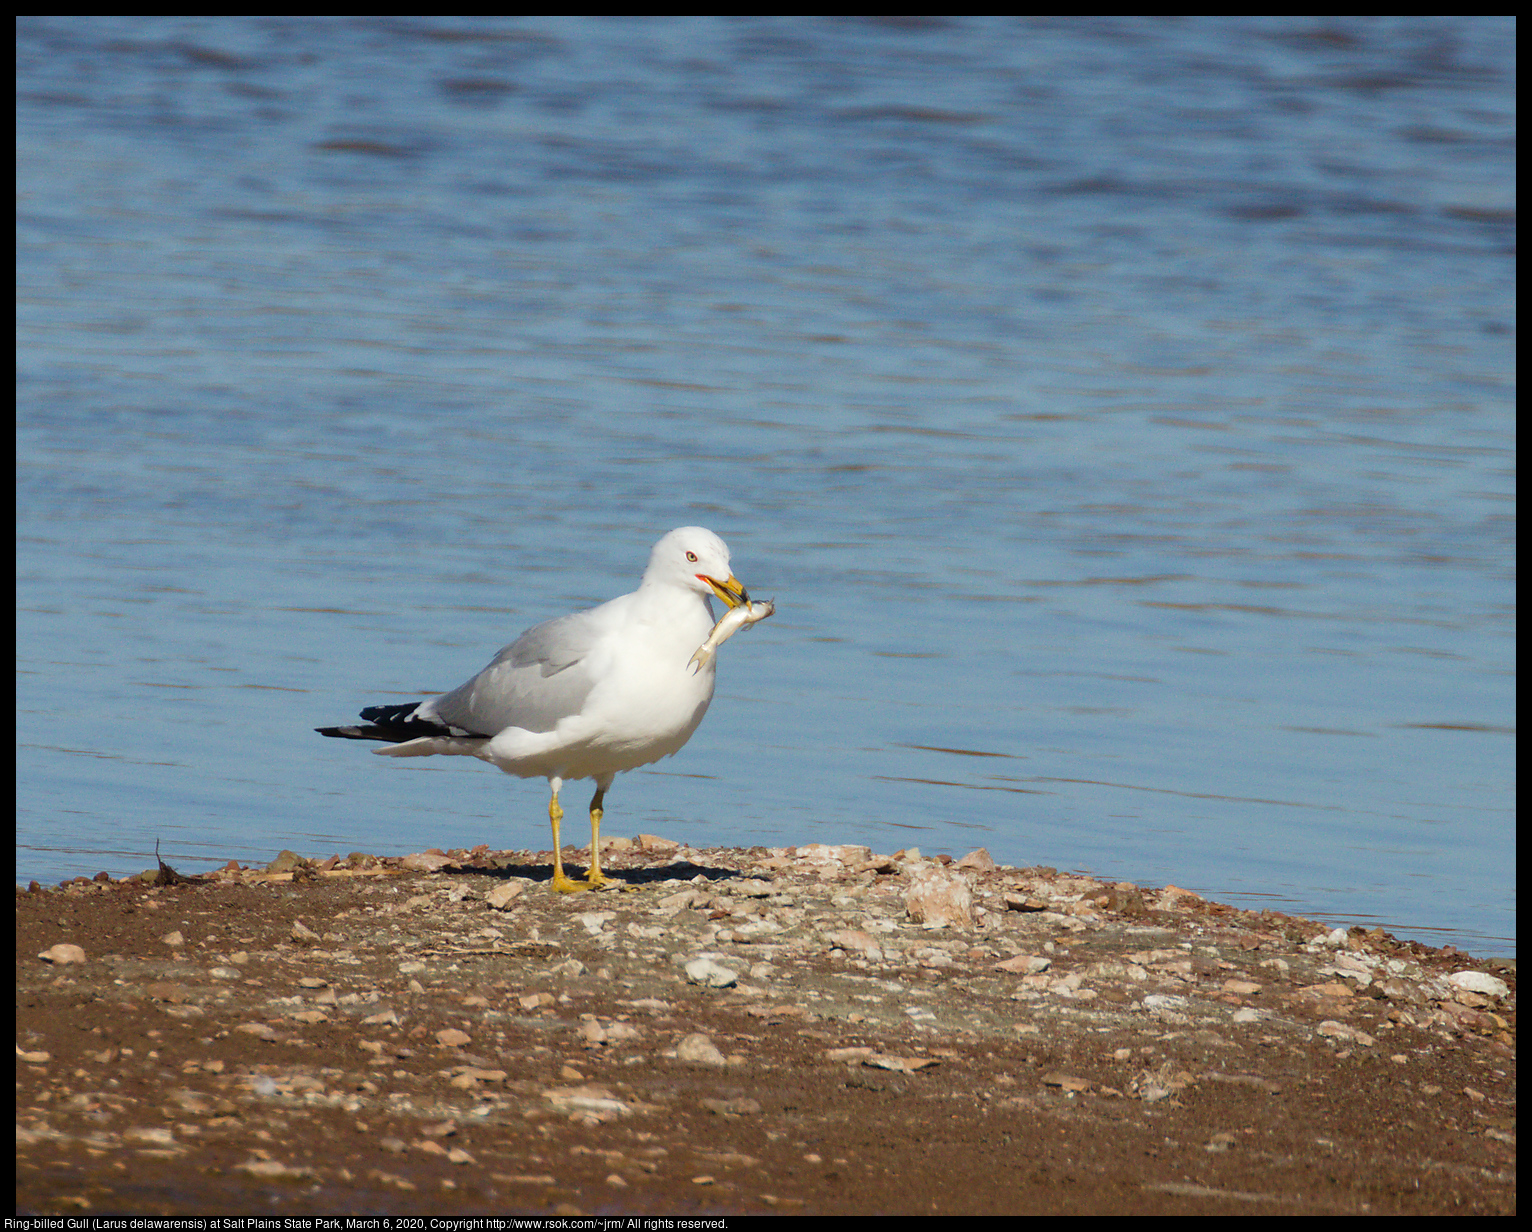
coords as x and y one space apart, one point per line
819 1030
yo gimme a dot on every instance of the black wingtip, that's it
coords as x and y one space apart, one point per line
392 725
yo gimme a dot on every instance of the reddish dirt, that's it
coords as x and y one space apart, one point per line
235 1071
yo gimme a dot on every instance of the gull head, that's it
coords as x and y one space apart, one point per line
698 560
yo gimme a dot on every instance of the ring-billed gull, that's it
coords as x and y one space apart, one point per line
584 696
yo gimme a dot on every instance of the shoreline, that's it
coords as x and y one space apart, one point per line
818 1029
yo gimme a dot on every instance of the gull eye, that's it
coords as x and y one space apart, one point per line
692 556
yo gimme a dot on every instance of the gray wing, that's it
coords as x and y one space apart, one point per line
533 683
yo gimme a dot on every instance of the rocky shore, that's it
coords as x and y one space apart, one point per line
813 1030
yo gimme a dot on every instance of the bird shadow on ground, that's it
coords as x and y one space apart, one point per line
684 871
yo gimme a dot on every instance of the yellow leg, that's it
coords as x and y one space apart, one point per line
561 883
594 878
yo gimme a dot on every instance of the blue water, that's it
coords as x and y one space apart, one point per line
1119 409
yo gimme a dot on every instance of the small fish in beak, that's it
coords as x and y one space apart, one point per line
735 619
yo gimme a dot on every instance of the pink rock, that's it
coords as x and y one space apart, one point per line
427 861
939 896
